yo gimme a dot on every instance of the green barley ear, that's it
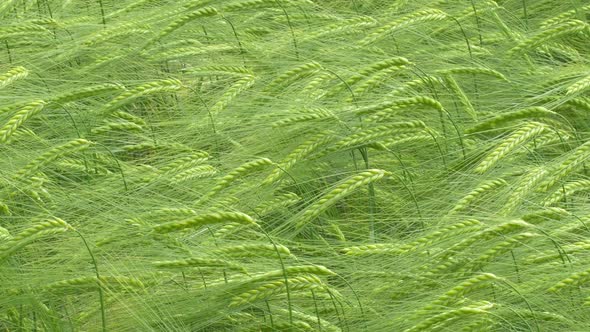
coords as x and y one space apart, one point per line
253 250
342 190
450 316
245 168
508 117
87 284
181 21
300 153
574 161
575 279
472 71
427 15
342 26
204 219
12 75
566 191
552 32
481 189
298 72
15 243
170 85
199 262
456 89
378 133
577 87
235 89
19 118
462 227
459 291
510 143
90 91
57 152
270 289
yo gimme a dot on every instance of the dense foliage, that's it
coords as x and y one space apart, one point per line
294 165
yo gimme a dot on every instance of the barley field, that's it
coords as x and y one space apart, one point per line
295 165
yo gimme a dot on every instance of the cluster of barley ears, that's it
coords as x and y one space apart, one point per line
294 165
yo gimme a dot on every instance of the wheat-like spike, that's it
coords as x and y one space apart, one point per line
513 141
314 114
459 291
548 213
292 271
531 180
253 250
121 126
128 8
581 246
562 29
311 319
204 219
245 168
49 226
575 279
128 283
563 17
12 75
23 29
377 67
169 85
574 161
387 248
19 118
268 290
300 153
4 235
342 26
474 194
399 140
167 214
376 133
401 103
427 15
342 190
500 248
198 262
180 164
566 191
312 89
184 52
4 210
578 86
471 71
129 117
143 146
238 87
490 233
281 200
374 81
114 32
86 92
297 72
193 173
253 4
414 85
181 21
523 114
479 308
579 103
456 89
220 71
53 154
